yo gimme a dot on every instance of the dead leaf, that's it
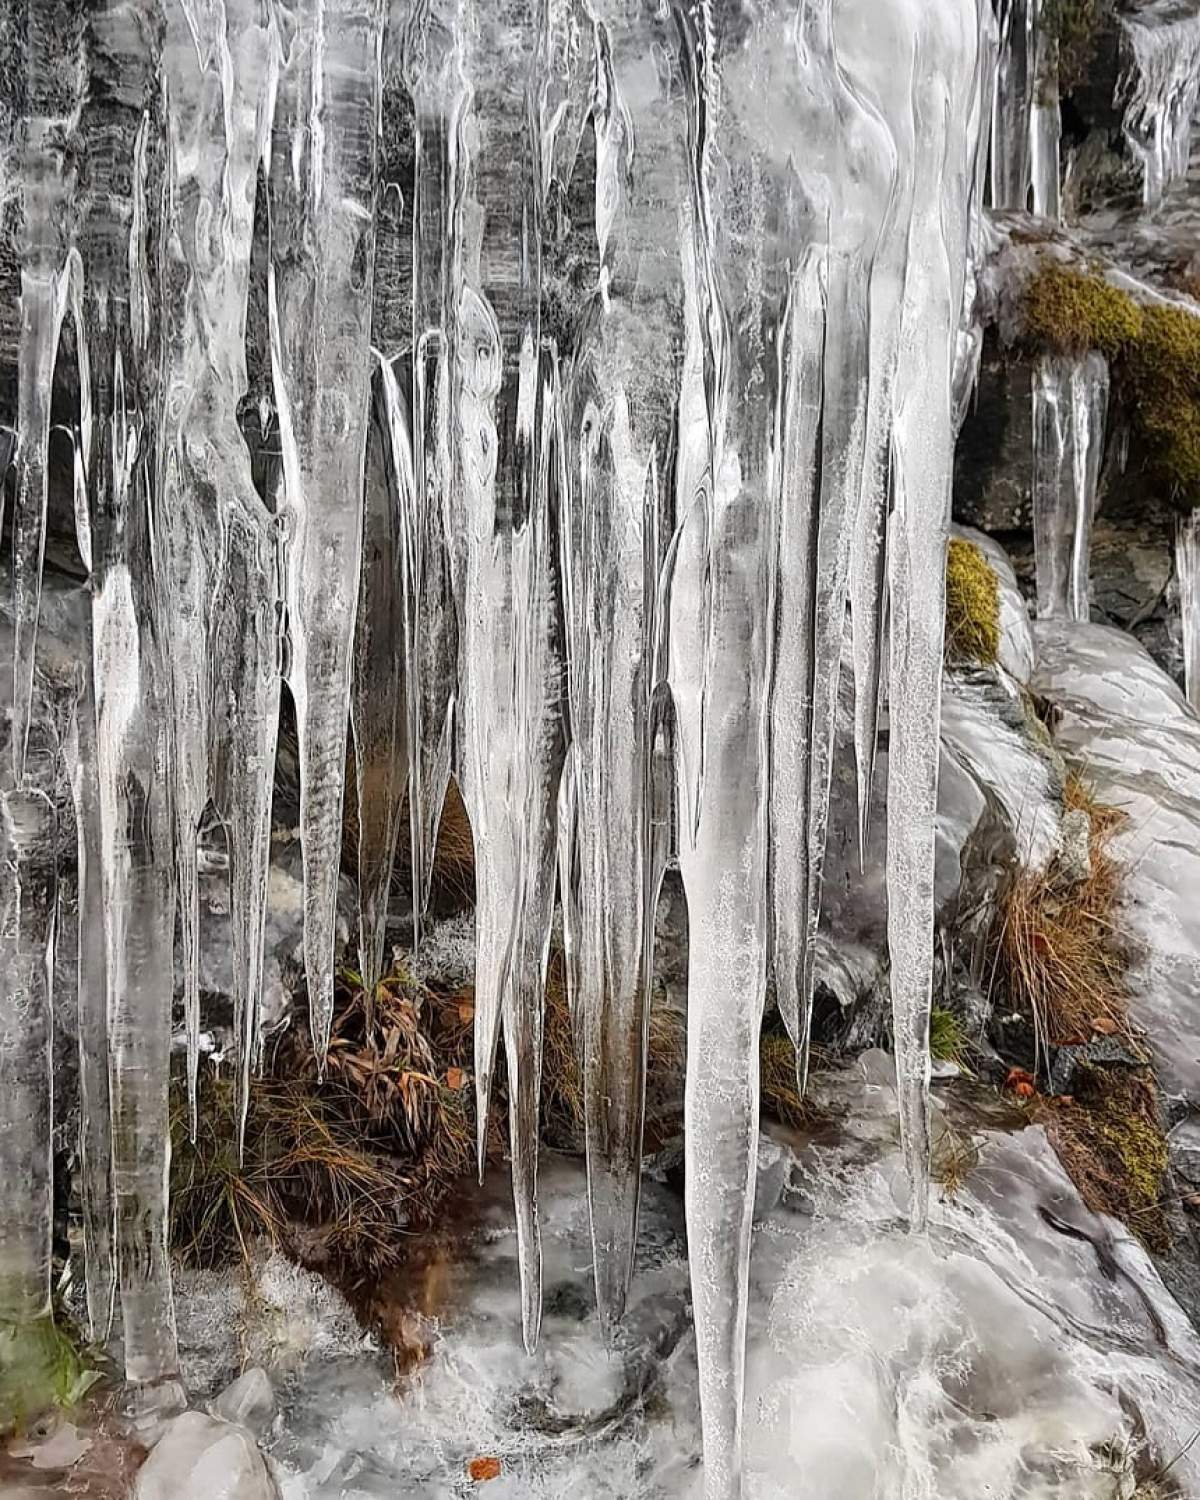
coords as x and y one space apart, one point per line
456 1078
1105 1026
480 1469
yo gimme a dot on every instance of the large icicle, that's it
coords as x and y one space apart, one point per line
945 74
509 725
1070 405
853 190
386 623
112 324
437 86
46 192
1187 574
619 402
739 245
322 205
214 536
95 1123
27 909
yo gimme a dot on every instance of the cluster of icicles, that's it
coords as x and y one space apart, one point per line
612 361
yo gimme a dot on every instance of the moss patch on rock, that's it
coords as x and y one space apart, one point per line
972 605
1109 1137
1154 354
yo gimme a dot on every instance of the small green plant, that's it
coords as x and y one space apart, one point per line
41 1366
972 605
947 1039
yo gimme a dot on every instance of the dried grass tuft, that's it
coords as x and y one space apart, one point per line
1058 952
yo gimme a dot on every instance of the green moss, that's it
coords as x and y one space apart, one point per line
41 1366
1069 311
1154 352
1110 1139
972 605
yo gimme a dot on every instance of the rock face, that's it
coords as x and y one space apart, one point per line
203 1458
1127 726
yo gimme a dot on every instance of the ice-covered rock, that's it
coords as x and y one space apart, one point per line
1128 728
202 1458
1025 1349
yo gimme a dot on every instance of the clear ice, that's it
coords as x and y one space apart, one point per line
1070 407
615 358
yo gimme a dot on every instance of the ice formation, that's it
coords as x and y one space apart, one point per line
1070 406
1187 571
1160 87
609 358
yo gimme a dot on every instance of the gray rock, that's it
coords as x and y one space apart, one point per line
202 1458
1103 1052
1075 854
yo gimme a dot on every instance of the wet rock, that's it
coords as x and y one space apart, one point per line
203 1458
1127 726
249 1401
1102 1052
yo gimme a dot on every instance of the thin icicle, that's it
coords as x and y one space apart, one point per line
385 625
322 200
435 81
95 1126
1070 402
1187 572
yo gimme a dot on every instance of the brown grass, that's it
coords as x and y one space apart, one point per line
780 1098
342 1170
1058 953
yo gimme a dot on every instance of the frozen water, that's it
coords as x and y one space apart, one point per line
1070 406
1160 87
995 1358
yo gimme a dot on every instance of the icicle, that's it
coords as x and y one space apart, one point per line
858 187
434 76
1159 88
737 315
95 1127
509 714
27 908
386 623
1070 401
137 891
213 534
1187 571
1026 125
321 196
948 55
47 189
617 428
